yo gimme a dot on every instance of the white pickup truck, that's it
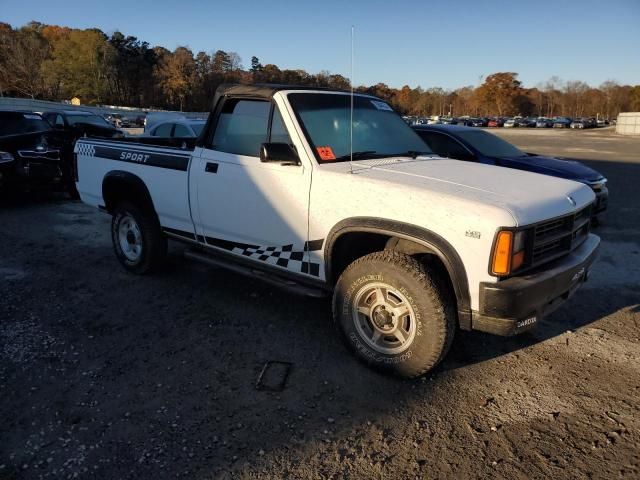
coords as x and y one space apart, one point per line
296 187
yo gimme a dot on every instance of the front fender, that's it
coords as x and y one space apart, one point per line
431 240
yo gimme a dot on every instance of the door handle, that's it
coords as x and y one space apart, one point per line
211 167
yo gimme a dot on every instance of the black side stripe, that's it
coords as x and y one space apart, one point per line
226 244
144 157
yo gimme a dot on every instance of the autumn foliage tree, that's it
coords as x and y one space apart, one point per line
500 92
175 74
57 63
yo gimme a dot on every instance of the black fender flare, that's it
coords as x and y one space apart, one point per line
134 186
430 240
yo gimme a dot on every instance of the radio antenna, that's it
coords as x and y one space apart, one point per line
351 110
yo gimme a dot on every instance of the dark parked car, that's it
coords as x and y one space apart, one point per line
30 151
526 122
467 122
448 120
118 120
544 123
470 144
561 122
579 123
479 122
77 123
74 124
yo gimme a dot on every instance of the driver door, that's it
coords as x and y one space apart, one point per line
246 207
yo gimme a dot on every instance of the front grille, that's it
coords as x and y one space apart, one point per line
557 237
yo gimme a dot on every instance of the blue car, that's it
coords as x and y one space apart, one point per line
471 144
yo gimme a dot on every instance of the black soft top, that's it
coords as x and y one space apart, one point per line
261 90
264 90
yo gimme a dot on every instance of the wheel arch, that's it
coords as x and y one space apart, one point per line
120 185
398 232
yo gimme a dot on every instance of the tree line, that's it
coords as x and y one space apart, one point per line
57 63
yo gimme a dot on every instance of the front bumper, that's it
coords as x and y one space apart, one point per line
517 304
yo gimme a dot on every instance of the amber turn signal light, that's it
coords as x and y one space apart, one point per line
502 253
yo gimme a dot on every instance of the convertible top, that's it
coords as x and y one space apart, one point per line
261 90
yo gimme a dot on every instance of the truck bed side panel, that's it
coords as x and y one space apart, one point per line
163 170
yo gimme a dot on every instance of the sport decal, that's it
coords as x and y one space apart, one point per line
135 154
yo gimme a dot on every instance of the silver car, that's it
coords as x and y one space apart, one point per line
178 128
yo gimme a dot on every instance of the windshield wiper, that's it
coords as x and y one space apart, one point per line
410 153
361 155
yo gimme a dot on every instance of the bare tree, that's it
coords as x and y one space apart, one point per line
235 61
22 54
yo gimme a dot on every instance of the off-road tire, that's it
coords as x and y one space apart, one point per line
153 241
432 303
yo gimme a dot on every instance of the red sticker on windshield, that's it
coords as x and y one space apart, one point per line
326 153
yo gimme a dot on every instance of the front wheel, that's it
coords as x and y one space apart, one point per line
393 314
137 239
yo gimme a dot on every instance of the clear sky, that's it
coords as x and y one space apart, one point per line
427 43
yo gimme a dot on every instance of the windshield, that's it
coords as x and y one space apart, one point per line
14 123
490 145
92 119
377 130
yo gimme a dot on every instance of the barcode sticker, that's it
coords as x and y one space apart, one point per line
381 105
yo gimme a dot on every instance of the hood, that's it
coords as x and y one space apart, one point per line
29 140
569 169
528 197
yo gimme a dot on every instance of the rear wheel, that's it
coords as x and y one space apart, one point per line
393 314
137 239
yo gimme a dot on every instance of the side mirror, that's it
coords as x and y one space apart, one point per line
282 153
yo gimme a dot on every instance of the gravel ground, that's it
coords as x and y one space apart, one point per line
104 375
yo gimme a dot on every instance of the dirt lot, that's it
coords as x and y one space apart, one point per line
104 375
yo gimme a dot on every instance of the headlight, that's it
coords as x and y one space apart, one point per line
6 157
509 252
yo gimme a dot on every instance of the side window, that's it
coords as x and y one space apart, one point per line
457 150
434 140
59 121
163 130
445 146
278 130
181 131
242 127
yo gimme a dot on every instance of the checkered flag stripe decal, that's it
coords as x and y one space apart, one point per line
284 256
85 149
